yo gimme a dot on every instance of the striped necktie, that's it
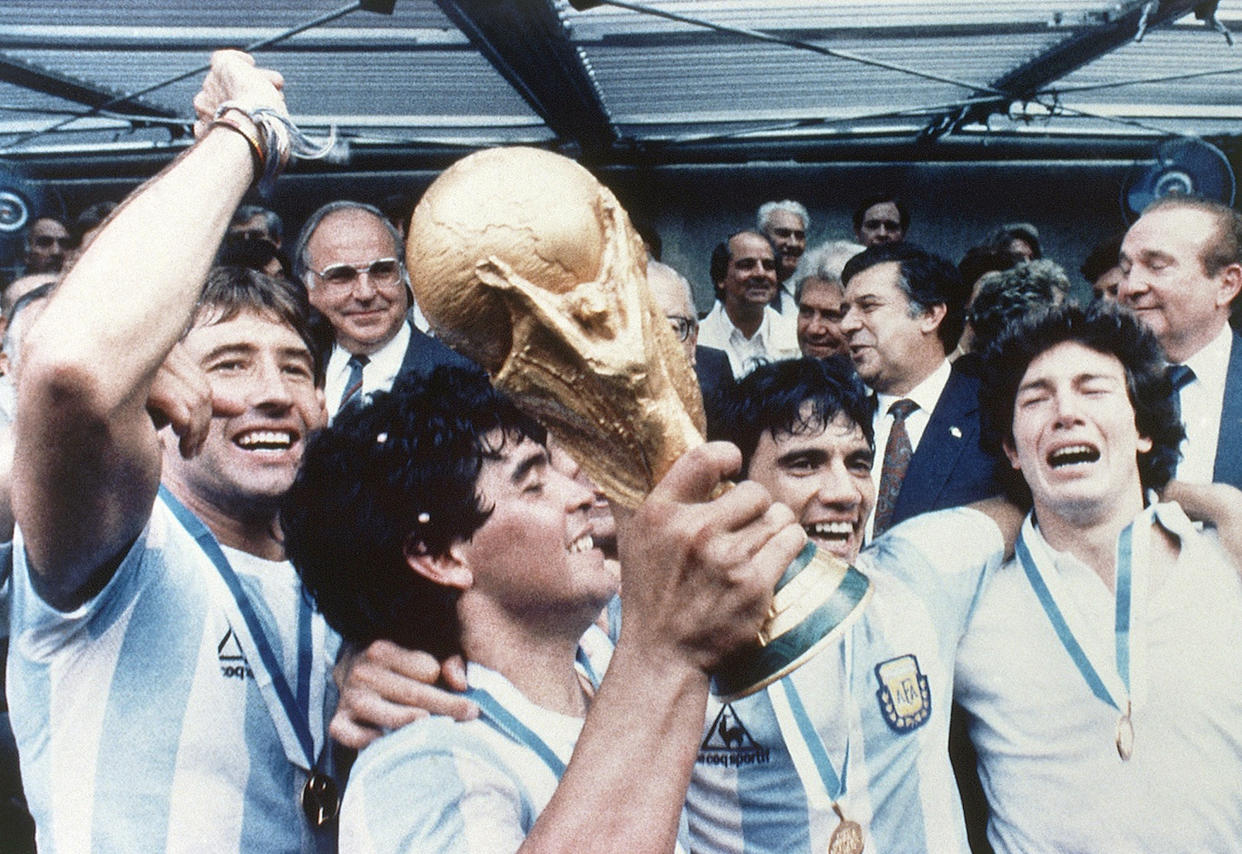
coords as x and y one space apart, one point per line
353 385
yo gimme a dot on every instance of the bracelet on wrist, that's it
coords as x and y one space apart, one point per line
257 152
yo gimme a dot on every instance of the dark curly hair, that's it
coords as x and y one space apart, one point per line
404 466
771 399
1107 329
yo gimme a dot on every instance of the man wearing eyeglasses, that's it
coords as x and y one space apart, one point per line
353 263
672 296
47 241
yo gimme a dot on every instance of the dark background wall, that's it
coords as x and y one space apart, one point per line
1074 204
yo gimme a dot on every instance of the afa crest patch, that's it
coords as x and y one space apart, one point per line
904 694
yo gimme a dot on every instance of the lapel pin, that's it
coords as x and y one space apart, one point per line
955 432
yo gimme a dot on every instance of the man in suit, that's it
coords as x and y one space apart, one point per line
1182 270
352 261
903 315
672 296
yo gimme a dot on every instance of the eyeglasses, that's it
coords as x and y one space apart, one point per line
682 326
45 241
382 272
786 233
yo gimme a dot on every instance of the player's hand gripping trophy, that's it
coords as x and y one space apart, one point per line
525 263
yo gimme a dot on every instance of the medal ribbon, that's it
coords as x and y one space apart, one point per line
296 708
1059 624
507 724
806 748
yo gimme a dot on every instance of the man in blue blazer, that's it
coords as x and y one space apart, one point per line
904 309
1182 270
352 261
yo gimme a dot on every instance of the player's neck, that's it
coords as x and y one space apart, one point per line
539 663
256 533
1090 533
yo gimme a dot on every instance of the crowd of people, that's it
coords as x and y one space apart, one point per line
287 573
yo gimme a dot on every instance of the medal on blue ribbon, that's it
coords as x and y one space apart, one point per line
1046 589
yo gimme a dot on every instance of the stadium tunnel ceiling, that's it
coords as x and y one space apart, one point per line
636 83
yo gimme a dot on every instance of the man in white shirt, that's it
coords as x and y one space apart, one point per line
352 261
1092 665
741 322
1182 267
903 315
785 223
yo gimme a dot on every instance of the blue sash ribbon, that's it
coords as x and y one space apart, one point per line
296 707
507 724
1121 620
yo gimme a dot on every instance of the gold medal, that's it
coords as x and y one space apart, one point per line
1125 736
848 836
320 799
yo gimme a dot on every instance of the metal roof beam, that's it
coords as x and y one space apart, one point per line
1026 81
29 76
526 42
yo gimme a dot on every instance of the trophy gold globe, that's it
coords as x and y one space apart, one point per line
524 262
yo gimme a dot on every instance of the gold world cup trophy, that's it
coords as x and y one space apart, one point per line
528 265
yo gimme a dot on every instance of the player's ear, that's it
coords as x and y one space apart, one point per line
447 570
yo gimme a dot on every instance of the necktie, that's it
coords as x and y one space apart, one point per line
1181 376
353 385
897 453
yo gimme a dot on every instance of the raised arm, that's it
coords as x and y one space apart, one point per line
697 579
87 460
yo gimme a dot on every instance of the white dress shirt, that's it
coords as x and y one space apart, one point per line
1203 400
768 344
381 369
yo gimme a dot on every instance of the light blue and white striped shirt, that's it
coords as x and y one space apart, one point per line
884 689
438 785
142 716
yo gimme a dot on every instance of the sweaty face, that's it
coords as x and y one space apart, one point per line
820 309
46 246
893 350
366 311
824 476
787 232
1166 285
535 552
750 279
1074 436
262 382
880 224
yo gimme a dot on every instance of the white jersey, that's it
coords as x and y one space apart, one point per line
466 786
141 716
880 695
1047 748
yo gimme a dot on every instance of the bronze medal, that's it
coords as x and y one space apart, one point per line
848 836
320 799
1125 736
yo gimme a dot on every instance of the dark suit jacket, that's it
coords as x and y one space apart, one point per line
715 375
424 353
1228 466
949 468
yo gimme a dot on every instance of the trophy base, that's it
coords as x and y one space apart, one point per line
816 600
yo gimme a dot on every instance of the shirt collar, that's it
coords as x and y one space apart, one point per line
926 394
1211 364
384 361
